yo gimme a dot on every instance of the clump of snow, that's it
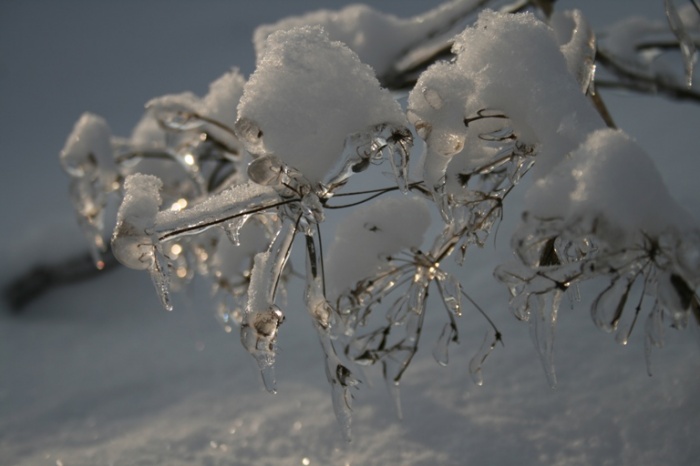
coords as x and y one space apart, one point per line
377 38
611 179
88 151
131 243
306 96
510 64
368 234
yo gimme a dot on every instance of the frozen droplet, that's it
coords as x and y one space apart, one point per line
675 295
607 308
432 97
477 361
266 170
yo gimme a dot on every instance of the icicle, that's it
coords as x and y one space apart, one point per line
685 41
233 227
417 292
542 331
449 335
160 274
395 394
451 293
653 333
342 399
342 381
262 316
259 336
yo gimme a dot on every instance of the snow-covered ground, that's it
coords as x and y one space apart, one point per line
98 374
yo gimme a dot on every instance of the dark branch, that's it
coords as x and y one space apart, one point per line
21 291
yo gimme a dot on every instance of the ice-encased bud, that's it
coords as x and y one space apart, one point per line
88 150
131 243
250 133
675 296
266 171
259 335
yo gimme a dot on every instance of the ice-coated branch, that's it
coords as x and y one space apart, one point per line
220 186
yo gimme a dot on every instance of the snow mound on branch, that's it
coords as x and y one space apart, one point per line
88 150
509 63
611 179
371 232
306 96
379 39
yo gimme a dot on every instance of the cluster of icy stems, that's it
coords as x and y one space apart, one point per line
221 186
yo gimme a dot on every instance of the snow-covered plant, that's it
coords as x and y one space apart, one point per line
223 186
